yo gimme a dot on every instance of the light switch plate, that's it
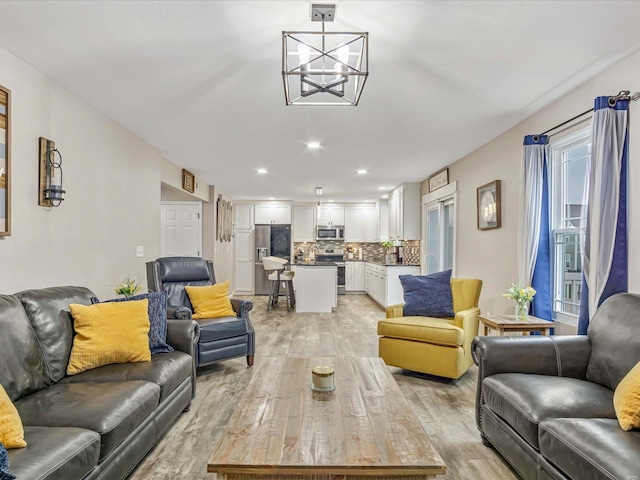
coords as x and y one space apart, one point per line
140 251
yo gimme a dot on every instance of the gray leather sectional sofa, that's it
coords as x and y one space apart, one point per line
546 403
101 422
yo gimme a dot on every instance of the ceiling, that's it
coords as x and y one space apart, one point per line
201 81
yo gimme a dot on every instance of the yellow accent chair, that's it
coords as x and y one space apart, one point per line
436 346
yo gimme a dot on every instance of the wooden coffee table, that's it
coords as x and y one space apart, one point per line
509 323
365 429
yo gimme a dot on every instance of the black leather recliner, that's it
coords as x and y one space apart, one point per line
220 338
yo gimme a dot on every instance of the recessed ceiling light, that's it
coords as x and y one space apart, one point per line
385 195
383 188
261 171
313 145
330 201
272 198
362 171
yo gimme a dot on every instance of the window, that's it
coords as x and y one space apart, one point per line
569 166
439 229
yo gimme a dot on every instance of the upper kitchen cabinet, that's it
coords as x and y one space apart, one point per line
273 214
330 215
243 216
304 224
361 224
354 224
404 212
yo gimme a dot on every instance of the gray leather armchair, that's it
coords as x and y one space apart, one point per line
220 338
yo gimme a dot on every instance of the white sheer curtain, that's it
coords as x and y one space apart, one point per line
609 134
530 206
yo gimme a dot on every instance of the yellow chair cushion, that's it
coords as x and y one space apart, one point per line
626 399
109 333
211 301
11 431
422 329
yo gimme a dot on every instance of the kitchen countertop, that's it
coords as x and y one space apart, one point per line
313 264
379 262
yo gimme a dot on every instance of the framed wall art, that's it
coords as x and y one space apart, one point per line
489 211
188 181
439 179
5 162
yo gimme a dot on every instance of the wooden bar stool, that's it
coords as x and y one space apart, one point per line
275 267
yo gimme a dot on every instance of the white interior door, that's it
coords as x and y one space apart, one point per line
181 227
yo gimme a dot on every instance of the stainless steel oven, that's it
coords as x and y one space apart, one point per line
335 256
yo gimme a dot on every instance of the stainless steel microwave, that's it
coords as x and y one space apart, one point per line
329 233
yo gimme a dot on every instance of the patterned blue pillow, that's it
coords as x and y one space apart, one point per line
157 319
4 464
427 295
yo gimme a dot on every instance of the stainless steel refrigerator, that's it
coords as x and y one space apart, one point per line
274 241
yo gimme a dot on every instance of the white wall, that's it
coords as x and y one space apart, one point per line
491 254
223 256
112 179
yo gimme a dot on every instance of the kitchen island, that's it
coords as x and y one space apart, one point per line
315 285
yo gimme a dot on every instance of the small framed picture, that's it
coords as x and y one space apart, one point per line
188 181
488 197
439 179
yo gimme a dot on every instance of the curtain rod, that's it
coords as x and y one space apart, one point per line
623 95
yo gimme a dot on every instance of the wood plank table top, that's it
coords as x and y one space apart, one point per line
365 428
509 323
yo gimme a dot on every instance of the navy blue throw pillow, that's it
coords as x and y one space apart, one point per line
427 295
4 464
157 319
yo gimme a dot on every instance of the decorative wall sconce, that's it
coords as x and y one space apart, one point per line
50 189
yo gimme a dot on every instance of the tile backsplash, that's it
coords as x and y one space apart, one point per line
371 252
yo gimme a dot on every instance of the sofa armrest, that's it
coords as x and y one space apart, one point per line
242 309
181 312
562 355
468 321
183 335
395 311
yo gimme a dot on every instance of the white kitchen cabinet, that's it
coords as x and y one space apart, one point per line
354 228
361 224
382 283
331 215
371 232
354 276
404 212
273 214
243 216
243 268
383 221
304 224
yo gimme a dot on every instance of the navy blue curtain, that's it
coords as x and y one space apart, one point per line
605 265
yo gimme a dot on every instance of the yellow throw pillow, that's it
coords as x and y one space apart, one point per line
11 431
211 301
626 399
109 333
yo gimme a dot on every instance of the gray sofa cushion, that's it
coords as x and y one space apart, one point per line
525 400
593 448
48 312
167 370
56 453
22 369
614 351
112 409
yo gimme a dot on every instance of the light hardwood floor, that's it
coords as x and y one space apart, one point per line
445 408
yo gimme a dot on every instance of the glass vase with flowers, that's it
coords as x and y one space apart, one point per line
522 296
